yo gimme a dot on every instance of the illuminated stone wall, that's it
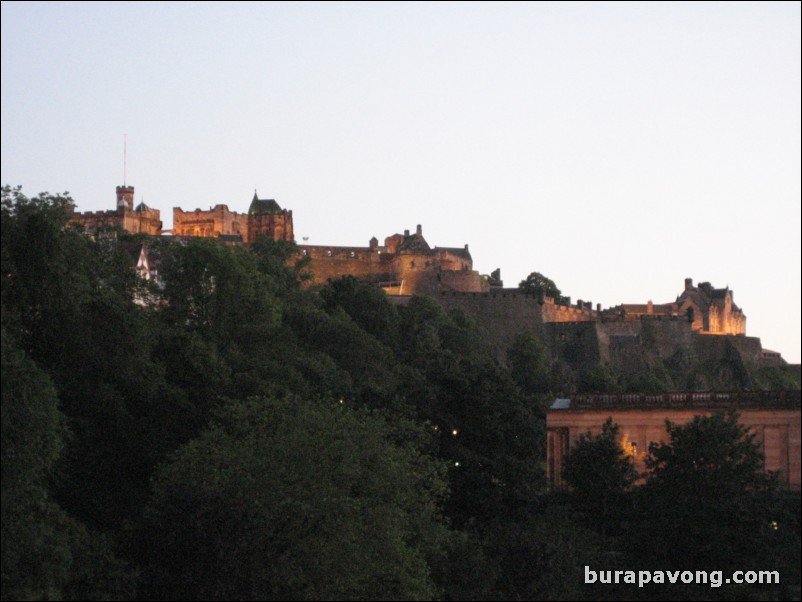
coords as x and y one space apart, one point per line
277 226
139 220
213 223
404 265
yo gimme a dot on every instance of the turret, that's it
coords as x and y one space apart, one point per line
125 197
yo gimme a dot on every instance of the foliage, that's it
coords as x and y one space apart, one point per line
777 378
599 379
383 451
292 499
601 474
45 553
529 365
366 305
537 284
713 465
274 261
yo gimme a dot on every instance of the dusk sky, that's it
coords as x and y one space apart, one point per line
617 148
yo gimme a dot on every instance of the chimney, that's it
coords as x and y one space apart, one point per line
419 230
406 233
688 284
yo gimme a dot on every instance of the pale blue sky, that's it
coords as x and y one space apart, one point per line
615 147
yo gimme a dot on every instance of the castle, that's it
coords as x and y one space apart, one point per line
701 324
136 220
404 265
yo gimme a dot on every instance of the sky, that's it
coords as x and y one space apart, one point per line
617 148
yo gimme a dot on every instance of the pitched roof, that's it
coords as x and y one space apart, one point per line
458 251
263 206
413 243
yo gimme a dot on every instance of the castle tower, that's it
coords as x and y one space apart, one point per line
267 218
125 197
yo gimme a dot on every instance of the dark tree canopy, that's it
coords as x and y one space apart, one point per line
712 465
538 284
288 499
601 475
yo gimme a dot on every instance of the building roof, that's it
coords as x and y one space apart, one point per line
414 243
458 251
263 206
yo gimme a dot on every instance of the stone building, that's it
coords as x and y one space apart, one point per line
773 417
136 220
711 310
404 265
264 218
628 338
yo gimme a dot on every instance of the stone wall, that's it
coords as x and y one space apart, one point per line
500 315
360 262
574 343
135 222
277 226
215 222
466 281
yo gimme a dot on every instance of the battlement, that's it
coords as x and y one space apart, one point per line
105 213
342 253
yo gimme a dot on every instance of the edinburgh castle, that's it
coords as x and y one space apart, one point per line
702 324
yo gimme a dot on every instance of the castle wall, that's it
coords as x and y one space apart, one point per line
500 315
135 222
359 262
617 338
666 335
553 312
405 273
277 226
574 343
466 281
210 224
749 349
94 220
448 260
724 319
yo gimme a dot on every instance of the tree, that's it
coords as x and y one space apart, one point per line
537 284
528 362
599 379
281 261
601 475
293 499
707 502
46 554
367 305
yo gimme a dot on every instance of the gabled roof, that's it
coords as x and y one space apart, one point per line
263 206
414 243
458 251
